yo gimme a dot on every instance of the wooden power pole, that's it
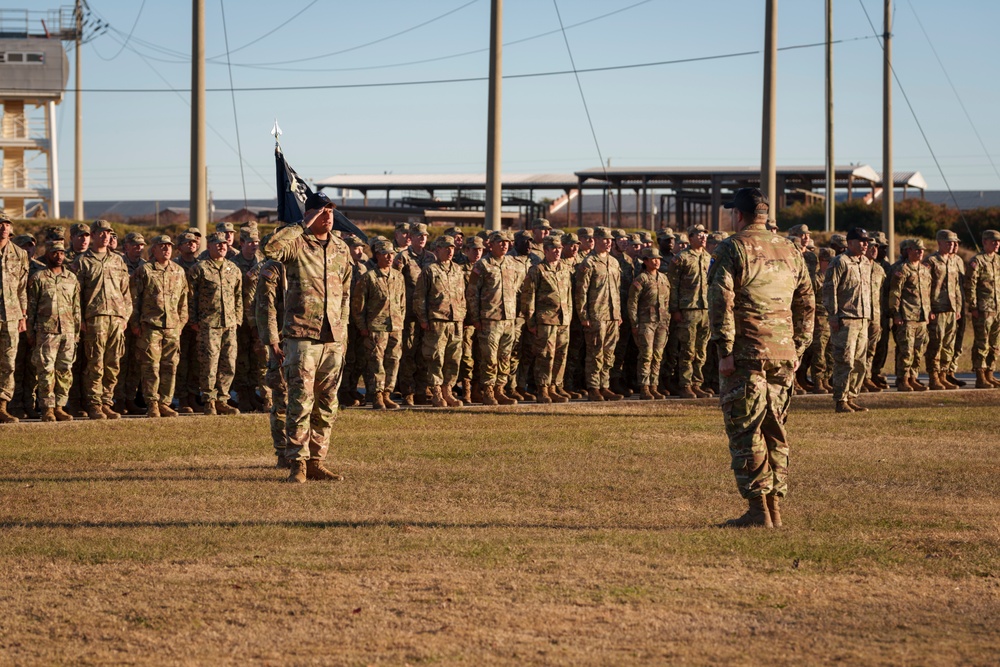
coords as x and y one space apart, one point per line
888 197
493 174
199 202
768 169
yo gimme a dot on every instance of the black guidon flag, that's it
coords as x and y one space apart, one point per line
292 193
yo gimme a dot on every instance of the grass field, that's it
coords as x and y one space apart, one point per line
580 534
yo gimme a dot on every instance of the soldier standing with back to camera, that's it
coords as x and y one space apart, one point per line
761 312
317 308
13 308
159 312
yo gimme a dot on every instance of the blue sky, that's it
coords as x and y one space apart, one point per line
696 113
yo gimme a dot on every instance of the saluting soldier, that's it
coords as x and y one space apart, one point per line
159 312
910 305
107 305
648 311
547 297
378 310
439 306
53 326
597 300
982 293
216 308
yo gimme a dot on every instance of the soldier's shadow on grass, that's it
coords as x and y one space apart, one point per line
371 523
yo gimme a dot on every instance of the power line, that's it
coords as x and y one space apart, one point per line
475 79
125 43
294 16
955 90
583 98
236 120
920 127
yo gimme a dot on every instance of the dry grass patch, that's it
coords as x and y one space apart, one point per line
569 534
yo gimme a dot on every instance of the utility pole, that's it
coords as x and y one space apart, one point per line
768 170
493 176
831 169
78 123
888 198
198 204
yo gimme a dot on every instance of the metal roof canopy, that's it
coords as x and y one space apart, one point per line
669 177
430 182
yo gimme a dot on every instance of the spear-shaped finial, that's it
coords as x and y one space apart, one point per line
276 131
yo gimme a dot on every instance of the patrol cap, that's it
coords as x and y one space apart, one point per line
195 231
217 237
483 234
799 230
377 238
838 241
646 237
98 225
4 218
501 236
827 253
991 235
569 238
186 237
749 200
454 231
318 200
135 238
225 227
650 253
540 223
858 234
418 228
880 238
718 237
444 241
249 233
585 233
475 242
403 227
382 247
162 239
796 241
552 242
522 234
947 235
603 233
666 232
114 234
53 245
54 232
22 240
911 244
352 241
681 237
635 239
617 233
696 229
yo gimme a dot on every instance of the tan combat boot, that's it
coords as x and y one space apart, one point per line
981 382
818 387
223 408
512 392
109 412
488 397
610 395
916 384
657 396
935 381
756 516
408 400
95 412
378 402
48 415
6 417
557 395
502 398
543 395
774 509
437 400
943 379
467 391
154 410
857 408
389 403
871 386
686 392
184 403
62 415
645 394
595 395
844 406
317 472
902 385
209 409
167 411
297 472
477 393
701 393
450 399
992 378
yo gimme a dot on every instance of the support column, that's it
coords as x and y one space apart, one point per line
53 159
716 221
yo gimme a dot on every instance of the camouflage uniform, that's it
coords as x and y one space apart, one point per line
131 372
412 369
597 300
317 309
378 305
821 333
649 299
13 305
187 382
688 275
491 299
547 303
761 310
356 359
54 321
847 297
107 305
251 357
517 376
439 307
875 326
910 301
469 370
159 311
269 312
216 305
576 355
982 293
886 328
947 274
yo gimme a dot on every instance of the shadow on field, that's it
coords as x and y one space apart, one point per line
372 523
